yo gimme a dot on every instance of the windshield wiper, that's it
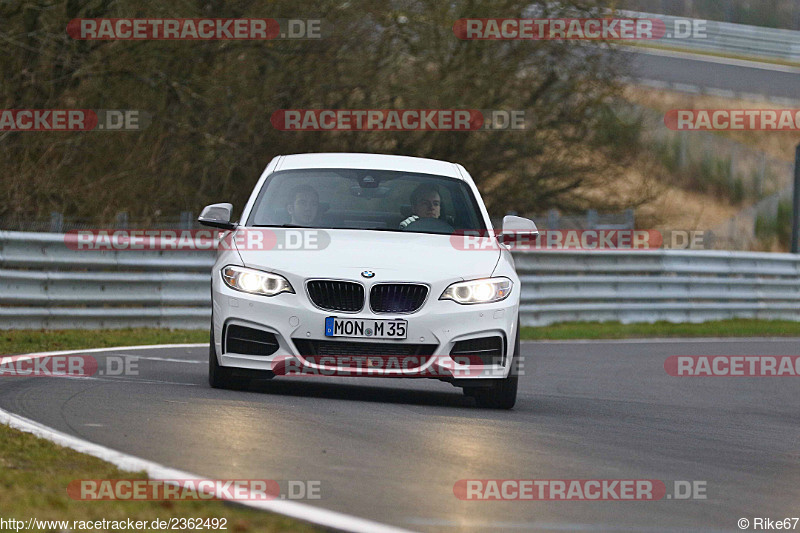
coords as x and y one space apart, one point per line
373 229
346 228
281 226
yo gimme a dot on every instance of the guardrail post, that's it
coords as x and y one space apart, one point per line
186 220
796 203
592 219
56 222
630 219
552 219
122 220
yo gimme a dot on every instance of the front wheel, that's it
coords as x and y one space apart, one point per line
503 393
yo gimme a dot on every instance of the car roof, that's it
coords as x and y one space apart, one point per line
369 162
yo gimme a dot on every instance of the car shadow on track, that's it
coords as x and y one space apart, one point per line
361 393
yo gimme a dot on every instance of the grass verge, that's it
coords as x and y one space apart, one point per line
34 472
616 330
27 341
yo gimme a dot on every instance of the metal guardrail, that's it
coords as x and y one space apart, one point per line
648 286
43 284
726 37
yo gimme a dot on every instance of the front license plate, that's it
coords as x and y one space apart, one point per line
374 329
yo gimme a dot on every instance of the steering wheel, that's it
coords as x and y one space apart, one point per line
430 225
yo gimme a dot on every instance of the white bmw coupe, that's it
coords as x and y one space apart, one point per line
366 265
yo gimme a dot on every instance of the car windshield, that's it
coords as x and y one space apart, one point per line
366 199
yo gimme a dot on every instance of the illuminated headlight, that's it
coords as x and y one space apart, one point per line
255 281
480 291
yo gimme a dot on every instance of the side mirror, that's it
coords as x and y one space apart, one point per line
515 226
217 216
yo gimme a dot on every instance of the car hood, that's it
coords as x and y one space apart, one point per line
392 256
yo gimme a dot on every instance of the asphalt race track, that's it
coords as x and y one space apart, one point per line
392 450
740 78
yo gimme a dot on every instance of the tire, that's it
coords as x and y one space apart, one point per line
220 377
503 393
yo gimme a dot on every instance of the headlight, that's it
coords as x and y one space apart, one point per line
255 281
480 291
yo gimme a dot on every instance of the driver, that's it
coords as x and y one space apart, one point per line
304 205
426 202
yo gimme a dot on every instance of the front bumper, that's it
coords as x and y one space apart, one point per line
293 319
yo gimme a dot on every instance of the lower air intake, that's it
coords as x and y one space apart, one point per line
481 351
249 341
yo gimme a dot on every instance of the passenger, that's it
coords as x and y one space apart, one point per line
303 206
